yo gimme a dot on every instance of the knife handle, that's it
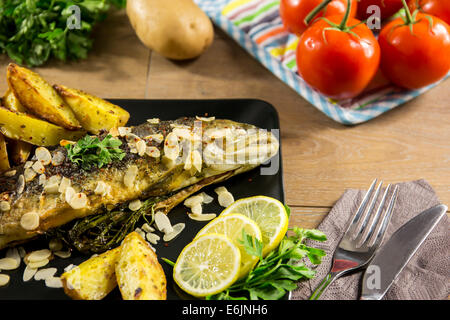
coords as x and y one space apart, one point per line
329 279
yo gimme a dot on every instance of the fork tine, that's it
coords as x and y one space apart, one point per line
376 217
362 206
387 218
358 233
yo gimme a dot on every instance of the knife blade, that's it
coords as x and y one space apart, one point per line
390 260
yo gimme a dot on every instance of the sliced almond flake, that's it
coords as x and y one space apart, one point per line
10 173
140 232
58 158
4 280
141 147
20 184
176 231
147 228
197 208
28 164
28 273
38 167
219 190
171 146
225 199
29 174
64 184
63 254
9 264
70 193
152 152
197 160
101 188
123 131
202 217
157 137
152 238
43 274
206 198
78 201
153 121
42 179
53 282
114 132
183 133
30 220
132 138
130 176
43 155
192 201
135 205
5 206
38 264
207 119
38 255
52 184
162 222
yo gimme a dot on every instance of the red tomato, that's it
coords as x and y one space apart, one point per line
387 8
294 12
437 8
338 64
415 59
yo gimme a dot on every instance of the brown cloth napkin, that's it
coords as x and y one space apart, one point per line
425 277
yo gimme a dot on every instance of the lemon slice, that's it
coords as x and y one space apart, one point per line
207 265
268 213
231 226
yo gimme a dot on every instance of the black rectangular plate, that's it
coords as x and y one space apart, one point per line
252 183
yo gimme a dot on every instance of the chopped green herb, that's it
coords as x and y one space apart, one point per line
90 151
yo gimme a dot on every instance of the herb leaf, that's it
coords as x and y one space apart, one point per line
279 271
90 151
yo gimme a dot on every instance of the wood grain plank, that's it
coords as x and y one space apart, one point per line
115 68
321 158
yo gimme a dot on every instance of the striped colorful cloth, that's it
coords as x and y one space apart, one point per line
257 27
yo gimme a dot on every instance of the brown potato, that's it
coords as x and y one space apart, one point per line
138 272
24 127
176 29
4 161
94 114
38 96
92 279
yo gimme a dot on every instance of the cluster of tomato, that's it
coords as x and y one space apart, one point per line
338 54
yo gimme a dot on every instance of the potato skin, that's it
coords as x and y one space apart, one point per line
94 114
92 279
138 272
24 127
177 29
38 97
4 161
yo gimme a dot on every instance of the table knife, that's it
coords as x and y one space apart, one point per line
392 257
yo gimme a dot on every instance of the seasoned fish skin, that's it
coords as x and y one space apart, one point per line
154 175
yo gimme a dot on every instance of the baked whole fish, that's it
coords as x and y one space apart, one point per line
159 158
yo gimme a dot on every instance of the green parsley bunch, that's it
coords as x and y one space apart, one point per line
33 31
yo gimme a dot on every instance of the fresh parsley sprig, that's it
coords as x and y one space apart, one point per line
279 271
91 151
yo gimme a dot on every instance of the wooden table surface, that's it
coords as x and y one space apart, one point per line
321 158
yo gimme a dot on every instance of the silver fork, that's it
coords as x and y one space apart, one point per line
362 237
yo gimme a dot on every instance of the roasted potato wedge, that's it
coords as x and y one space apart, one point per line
19 151
39 97
24 127
92 279
10 102
4 161
94 114
138 272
